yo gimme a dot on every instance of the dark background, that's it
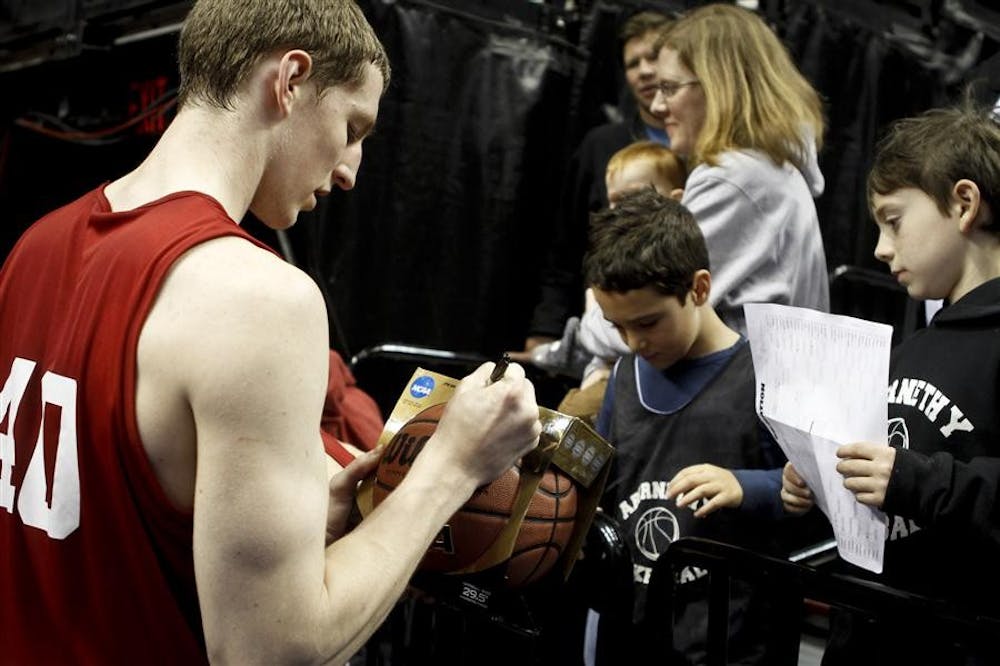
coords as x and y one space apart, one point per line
442 241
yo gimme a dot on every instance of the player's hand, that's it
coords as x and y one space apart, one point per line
343 488
866 468
795 494
716 485
487 426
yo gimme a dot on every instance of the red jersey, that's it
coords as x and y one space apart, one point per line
96 564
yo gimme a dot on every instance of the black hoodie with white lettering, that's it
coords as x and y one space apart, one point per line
943 498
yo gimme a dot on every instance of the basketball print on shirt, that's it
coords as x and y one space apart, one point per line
646 512
656 529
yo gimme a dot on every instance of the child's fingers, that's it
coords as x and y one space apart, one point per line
682 483
854 467
793 503
790 475
695 494
676 489
862 450
871 499
879 467
702 485
709 507
865 485
796 494
792 484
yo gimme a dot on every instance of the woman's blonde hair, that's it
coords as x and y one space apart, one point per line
755 97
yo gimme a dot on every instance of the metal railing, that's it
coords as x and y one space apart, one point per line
789 584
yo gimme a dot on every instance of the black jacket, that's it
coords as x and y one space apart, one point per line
944 413
942 499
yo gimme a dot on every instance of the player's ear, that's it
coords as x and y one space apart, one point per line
969 205
701 286
293 71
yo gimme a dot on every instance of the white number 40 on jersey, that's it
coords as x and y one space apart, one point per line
63 516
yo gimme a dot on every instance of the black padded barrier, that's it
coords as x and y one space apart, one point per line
789 585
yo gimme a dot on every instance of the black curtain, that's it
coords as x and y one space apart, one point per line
867 77
440 243
99 89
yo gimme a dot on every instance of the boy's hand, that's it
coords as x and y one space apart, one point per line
716 485
795 494
866 468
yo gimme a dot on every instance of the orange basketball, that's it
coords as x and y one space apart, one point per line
472 530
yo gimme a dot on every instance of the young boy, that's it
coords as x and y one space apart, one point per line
933 191
687 374
595 345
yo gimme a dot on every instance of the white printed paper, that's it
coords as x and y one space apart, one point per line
821 383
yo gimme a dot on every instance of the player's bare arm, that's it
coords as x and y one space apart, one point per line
251 377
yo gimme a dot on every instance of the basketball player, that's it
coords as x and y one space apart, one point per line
163 494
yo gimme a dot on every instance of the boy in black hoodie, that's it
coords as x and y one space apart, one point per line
933 191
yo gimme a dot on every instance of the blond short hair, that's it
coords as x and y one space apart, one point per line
223 40
665 162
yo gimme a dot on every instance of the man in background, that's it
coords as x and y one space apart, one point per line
584 189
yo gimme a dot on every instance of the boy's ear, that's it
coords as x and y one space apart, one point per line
701 286
293 71
968 201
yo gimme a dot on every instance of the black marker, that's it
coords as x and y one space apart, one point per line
500 368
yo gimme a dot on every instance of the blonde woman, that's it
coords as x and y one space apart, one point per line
749 126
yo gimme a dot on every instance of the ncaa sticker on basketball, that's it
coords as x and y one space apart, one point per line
530 521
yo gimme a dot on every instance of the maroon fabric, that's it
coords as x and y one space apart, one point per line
96 565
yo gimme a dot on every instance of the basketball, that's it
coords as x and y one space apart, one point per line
545 530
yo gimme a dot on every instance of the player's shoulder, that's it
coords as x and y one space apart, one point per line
231 283
233 265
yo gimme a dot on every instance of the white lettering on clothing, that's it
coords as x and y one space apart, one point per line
647 490
10 401
930 401
60 518
689 574
938 402
958 422
901 528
